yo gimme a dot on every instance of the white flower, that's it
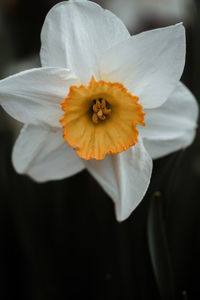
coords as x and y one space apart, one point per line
84 44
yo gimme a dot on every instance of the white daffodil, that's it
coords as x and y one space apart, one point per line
88 104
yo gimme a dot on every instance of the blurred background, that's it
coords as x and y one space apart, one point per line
58 244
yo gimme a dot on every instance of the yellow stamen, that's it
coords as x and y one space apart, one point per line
100 119
100 110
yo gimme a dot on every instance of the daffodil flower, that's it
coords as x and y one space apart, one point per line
103 100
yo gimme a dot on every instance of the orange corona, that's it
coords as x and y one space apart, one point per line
101 119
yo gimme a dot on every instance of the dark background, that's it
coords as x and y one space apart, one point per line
58 243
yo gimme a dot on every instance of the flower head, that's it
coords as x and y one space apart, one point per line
102 100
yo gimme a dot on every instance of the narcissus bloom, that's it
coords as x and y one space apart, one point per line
102 100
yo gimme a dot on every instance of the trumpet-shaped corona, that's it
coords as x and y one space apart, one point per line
100 119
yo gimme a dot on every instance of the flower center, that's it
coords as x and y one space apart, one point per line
100 110
101 119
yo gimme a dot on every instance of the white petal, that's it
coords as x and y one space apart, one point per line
76 33
34 96
125 177
149 64
159 148
177 115
44 155
127 10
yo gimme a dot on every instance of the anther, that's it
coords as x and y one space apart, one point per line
100 113
95 118
100 110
